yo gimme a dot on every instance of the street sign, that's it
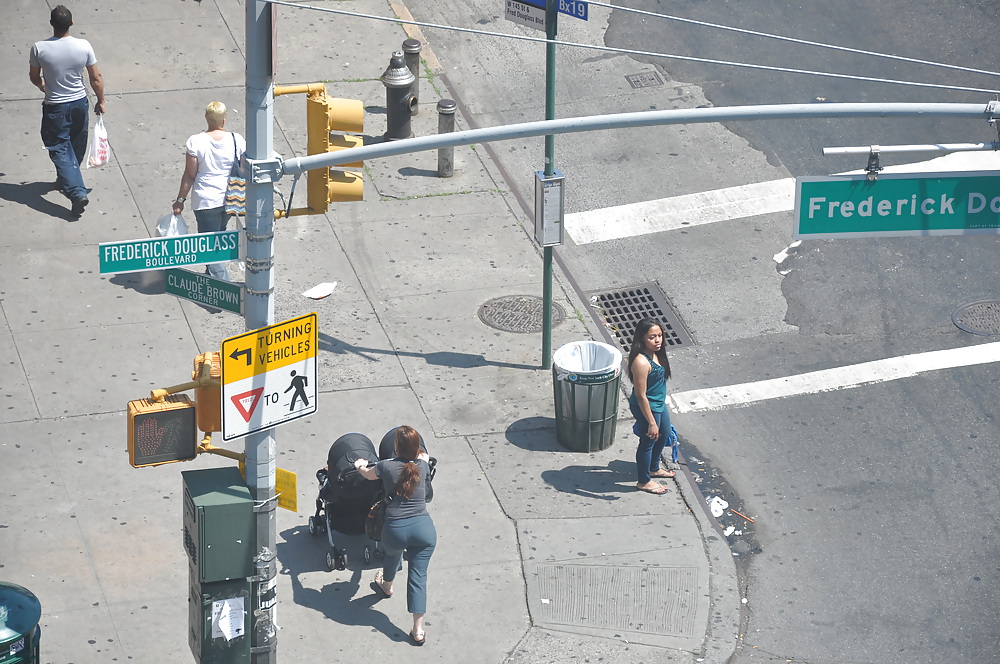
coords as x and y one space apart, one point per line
269 376
574 8
159 252
550 201
525 14
204 289
897 204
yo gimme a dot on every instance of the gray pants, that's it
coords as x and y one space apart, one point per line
417 537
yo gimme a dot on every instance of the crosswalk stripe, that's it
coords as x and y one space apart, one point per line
838 378
748 200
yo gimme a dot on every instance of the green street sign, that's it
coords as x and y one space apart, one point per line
160 252
896 204
205 290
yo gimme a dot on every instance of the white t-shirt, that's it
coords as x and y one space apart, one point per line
63 61
215 159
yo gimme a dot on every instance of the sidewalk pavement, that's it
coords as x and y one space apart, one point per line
544 555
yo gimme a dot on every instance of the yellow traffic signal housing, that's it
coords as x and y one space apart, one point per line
161 431
208 399
325 114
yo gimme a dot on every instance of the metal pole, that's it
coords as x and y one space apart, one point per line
446 125
903 149
259 447
551 14
639 119
411 53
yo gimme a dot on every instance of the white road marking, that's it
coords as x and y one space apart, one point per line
748 200
828 380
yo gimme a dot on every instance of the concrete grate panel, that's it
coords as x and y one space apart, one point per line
651 600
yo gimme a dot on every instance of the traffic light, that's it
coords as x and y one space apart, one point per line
161 431
325 114
208 398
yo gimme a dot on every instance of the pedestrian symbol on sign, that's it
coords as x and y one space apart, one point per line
299 385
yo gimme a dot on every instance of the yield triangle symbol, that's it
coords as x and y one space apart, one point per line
247 402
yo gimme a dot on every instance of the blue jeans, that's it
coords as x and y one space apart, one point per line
418 537
647 455
213 220
64 134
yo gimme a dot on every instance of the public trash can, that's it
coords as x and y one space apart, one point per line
20 612
586 378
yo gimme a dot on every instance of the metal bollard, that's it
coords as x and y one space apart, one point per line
446 124
399 101
411 53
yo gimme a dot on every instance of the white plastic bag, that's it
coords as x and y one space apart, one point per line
170 225
99 151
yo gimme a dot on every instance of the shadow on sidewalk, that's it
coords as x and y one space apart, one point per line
31 195
440 358
538 434
346 600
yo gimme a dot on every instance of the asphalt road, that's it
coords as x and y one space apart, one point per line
876 514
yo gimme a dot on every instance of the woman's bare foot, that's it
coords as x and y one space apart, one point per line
652 487
662 473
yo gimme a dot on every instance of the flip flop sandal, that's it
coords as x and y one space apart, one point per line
662 490
418 642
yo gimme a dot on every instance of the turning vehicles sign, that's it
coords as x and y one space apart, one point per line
269 376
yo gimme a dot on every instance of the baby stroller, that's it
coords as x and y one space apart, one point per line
345 497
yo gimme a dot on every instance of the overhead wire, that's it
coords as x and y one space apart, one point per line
627 51
793 40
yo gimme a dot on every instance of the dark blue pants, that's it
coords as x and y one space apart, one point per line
417 536
213 220
64 134
647 455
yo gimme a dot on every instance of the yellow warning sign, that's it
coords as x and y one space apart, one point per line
286 486
269 348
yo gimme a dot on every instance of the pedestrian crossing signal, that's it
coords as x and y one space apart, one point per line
162 431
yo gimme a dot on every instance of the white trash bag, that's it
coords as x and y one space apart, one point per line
99 152
170 225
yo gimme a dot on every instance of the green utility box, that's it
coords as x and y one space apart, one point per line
218 524
20 612
219 620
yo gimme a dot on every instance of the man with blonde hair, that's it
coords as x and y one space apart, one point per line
55 66
209 158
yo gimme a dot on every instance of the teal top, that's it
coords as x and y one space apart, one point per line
656 387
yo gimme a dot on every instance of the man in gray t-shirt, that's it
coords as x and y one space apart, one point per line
56 66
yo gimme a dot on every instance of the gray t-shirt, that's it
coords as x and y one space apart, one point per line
389 471
63 61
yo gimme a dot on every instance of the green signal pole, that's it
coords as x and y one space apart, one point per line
551 14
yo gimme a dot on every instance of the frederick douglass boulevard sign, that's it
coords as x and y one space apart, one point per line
963 203
160 252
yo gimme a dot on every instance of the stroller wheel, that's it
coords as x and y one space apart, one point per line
341 560
313 526
368 555
330 566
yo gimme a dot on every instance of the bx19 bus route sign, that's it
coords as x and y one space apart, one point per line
897 204
269 376
155 253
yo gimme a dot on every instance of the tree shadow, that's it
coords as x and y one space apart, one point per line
32 195
440 358
346 600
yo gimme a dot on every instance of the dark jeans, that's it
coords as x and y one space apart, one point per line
647 455
213 220
64 134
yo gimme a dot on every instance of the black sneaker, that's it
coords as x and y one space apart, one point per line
79 205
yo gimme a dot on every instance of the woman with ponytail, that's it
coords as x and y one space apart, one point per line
408 526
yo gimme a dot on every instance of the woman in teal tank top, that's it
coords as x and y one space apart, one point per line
649 370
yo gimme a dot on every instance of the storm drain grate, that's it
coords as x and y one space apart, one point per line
980 317
622 310
644 79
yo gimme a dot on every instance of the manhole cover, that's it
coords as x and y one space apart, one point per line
518 313
645 79
623 309
981 317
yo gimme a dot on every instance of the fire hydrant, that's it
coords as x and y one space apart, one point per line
399 100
